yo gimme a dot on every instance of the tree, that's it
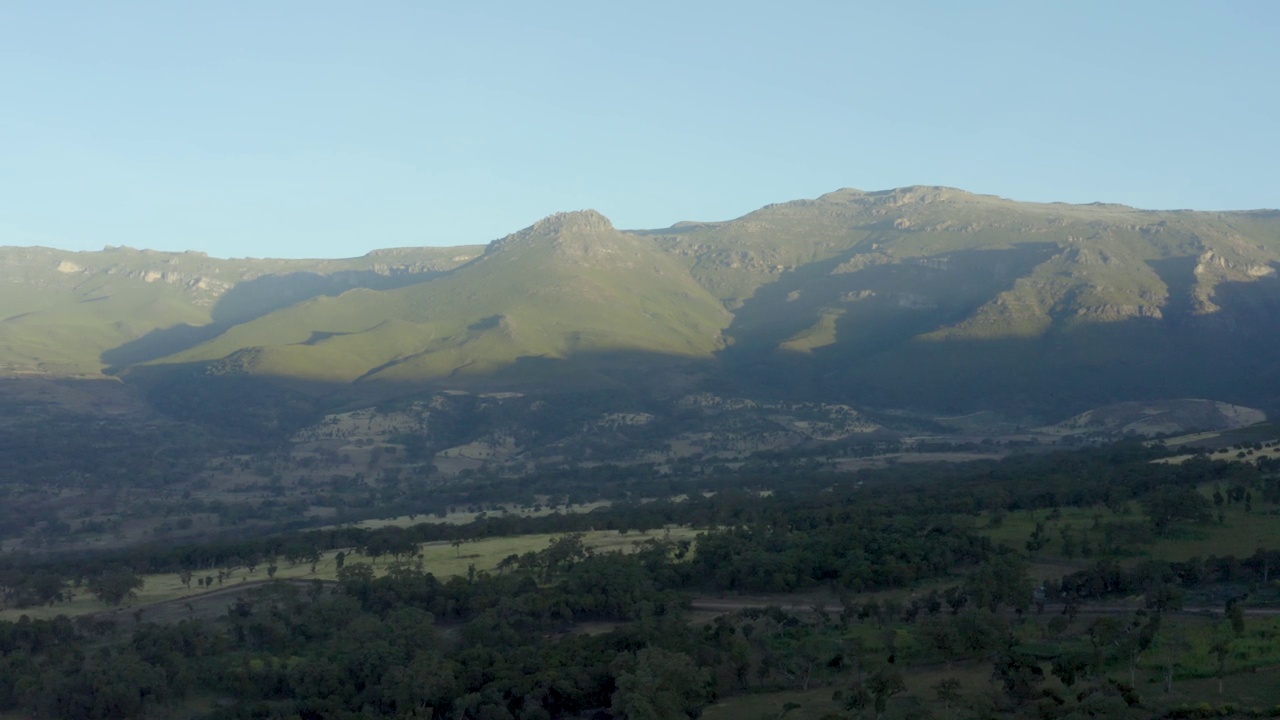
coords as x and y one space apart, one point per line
1221 649
1171 649
1069 544
884 684
1069 667
1170 505
1235 613
1103 633
940 636
1001 580
948 692
656 684
115 586
1138 638
1019 674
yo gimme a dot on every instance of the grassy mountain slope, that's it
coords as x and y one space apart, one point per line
76 312
933 297
920 297
566 287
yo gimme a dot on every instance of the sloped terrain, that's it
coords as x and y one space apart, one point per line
1163 417
920 298
937 298
567 287
76 313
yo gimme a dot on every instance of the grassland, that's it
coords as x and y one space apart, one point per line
76 312
1241 533
438 558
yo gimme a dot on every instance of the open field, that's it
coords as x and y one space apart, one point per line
1241 533
1259 689
1251 455
1260 432
462 517
879 461
438 558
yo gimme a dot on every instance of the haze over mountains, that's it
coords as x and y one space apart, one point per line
921 298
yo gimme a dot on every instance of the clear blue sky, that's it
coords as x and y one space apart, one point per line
326 129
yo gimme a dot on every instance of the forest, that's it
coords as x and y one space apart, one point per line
1047 585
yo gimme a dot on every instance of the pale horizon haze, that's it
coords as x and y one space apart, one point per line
325 129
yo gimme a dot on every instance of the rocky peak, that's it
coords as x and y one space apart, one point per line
572 222
577 231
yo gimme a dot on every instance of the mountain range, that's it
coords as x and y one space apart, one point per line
918 298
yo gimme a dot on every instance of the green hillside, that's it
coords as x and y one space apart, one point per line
567 287
916 298
80 312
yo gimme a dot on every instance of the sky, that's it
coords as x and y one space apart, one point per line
328 129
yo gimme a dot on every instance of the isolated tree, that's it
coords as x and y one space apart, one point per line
1069 543
1170 504
948 692
115 586
1235 613
1221 649
1140 633
884 684
1171 650
1103 634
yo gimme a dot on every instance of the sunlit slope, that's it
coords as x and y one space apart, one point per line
920 297
77 312
570 287
61 310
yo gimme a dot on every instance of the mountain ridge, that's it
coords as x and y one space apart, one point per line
854 294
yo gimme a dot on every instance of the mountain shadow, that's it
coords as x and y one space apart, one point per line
880 301
259 410
1178 275
797 330
248 301
1231 355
